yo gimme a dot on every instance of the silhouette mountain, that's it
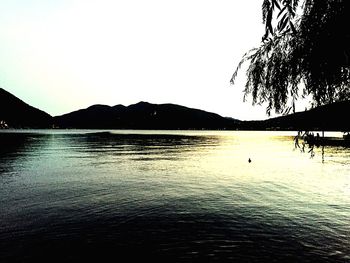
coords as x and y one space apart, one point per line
331 117
143 115
15 113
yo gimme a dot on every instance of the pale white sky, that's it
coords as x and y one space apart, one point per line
63 55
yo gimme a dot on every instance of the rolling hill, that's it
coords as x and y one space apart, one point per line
143 115
331 117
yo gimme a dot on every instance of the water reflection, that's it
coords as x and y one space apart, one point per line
16 147
174 197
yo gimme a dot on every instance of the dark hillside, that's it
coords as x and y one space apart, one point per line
18 114
143 115
331 117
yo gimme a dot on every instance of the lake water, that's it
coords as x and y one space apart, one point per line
171 195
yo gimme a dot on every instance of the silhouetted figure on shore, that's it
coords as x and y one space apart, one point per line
249 160
296 140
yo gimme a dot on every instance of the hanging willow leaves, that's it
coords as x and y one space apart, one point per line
311 48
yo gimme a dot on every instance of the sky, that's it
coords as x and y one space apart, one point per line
64 55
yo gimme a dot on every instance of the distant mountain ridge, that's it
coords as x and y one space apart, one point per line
331 117
15 113
143 115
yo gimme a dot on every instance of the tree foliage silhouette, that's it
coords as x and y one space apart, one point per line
304 52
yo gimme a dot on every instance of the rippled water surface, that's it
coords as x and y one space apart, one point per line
177 196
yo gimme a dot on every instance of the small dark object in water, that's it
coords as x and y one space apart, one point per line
249 160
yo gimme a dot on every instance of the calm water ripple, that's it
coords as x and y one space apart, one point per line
171 195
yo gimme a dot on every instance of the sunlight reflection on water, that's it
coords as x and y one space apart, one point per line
181 195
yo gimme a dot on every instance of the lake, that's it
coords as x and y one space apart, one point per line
183 196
